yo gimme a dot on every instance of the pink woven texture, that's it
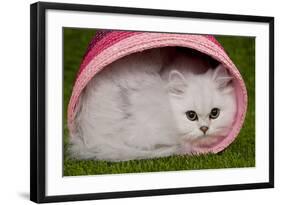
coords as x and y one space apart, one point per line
102 40
109 46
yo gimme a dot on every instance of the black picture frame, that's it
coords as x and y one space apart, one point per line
38 101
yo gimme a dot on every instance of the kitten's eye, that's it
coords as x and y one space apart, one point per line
191 115
215 112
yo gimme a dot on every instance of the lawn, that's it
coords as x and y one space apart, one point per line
241 153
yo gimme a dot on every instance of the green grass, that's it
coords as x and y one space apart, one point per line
241 153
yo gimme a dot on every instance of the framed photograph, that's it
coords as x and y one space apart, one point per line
129 102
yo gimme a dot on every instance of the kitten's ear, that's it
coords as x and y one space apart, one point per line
177 82
221 76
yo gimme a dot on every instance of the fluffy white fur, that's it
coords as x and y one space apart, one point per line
136 107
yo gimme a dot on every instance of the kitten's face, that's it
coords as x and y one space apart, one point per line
204 105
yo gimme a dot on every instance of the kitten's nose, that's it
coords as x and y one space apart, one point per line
204 129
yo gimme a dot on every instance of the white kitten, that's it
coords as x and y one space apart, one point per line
137 109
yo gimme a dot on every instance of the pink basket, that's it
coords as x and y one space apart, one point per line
109 46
